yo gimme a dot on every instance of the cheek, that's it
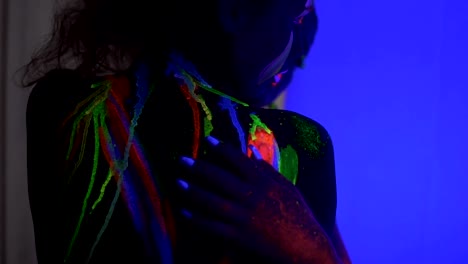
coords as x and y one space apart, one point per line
273 69
305 35
265 39
252 54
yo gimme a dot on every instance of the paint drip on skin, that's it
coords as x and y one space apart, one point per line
117 142
207 127
229 106
193 103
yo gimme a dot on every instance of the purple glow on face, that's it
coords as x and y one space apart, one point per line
309 7
278 77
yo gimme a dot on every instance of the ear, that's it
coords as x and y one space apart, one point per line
234 15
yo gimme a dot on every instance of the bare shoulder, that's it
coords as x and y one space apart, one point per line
306 153
55 89
297 130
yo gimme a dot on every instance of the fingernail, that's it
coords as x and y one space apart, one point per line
255 152
213 141
186 213
183 184
187 161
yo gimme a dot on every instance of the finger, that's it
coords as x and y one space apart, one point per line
216 179
256 155
232 158
206 203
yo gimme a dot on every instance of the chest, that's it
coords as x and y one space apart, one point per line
169 128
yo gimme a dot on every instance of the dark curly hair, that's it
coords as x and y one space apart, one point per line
93 36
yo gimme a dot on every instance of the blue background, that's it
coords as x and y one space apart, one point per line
389 80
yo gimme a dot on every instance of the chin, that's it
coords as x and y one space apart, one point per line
267 93
264 95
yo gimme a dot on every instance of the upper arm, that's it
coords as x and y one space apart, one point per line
318 182
313 155
339 246
317 179
45 182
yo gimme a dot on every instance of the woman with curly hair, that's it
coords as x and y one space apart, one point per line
150 139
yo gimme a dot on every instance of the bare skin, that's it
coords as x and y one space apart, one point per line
255 207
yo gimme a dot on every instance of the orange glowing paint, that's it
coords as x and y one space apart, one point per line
265 143
263 139
196 119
